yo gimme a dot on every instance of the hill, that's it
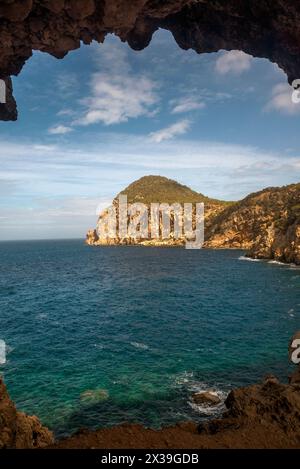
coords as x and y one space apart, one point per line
266 223
159 189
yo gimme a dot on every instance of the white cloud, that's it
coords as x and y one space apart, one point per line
281 100
65 112
117 94
179 128
59 130
53 191
67 84
235 62
118 98
186 104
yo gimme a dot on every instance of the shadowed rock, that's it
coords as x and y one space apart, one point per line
258 27
18 430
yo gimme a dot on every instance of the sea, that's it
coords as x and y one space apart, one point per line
99 336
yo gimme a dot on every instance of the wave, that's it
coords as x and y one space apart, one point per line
187 381
42 316
139 345
294 266
250 259
270 261
291 313
273 261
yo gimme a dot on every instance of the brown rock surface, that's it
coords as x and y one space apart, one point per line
266 223
262 28
18 430
206 397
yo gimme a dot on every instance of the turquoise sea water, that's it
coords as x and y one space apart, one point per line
140 329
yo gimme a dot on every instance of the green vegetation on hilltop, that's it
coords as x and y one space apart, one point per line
159 189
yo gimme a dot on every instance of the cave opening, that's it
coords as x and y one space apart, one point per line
223 123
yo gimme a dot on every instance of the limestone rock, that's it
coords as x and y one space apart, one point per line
266 223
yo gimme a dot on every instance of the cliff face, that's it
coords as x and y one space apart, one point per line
18 430
148 190
258 27
267 224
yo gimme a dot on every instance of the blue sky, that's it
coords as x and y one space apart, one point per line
90 124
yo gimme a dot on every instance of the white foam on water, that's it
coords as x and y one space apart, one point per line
184 378
273 261
207 409
294 266
250 259
291 313
42 316
188 381
99 346
139 345
2 352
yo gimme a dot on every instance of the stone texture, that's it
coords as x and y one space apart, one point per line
206 397
266 223
18 430
262 28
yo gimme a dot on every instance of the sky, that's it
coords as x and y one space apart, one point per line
90 124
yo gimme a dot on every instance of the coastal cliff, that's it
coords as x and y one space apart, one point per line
154 190
18 430
266 224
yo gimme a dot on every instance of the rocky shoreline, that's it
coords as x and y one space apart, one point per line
265 415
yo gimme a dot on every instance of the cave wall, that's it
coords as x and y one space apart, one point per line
262 28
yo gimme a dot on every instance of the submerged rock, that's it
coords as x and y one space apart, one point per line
206 397
92 396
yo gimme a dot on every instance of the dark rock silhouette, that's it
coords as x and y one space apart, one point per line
258 27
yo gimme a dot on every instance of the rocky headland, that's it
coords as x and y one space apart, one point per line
265 224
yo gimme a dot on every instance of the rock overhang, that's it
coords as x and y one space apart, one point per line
262 28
